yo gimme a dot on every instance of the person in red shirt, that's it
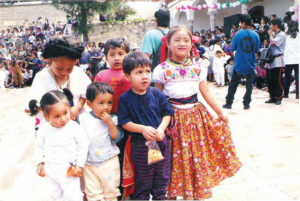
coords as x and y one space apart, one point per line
115 50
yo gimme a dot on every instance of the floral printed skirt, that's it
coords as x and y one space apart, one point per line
202 153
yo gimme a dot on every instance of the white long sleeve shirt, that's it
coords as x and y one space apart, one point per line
218 64
291 52
61 145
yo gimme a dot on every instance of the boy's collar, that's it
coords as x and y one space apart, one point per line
140 94
92 113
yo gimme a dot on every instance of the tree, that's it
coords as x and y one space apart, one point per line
84 11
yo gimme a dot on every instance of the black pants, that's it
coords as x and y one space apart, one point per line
234 84
274 81
287 78
260 82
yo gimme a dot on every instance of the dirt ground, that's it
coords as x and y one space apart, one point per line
267 138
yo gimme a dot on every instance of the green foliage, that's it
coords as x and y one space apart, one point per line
84 11
123 12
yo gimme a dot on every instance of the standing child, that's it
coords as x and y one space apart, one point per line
102 169
145 113
229 69
202 151
60 142
115 50
218 67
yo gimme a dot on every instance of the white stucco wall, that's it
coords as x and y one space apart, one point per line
144 9
201 18
278 7
182 19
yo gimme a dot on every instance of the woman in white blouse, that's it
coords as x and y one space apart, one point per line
291 58
62 75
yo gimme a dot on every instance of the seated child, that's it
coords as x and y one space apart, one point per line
102 168
59 143
89 74
145 113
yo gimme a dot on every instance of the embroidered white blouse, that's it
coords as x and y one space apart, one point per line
179 81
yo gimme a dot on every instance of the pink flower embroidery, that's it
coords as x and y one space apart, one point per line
37 121
182 72
163 64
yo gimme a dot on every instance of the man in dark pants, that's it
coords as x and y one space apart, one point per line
246 43
275 69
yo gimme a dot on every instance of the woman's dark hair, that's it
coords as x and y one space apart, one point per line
50 98
59 48
134 60
162 16
293 29
114 43
278 22
244 18
96 88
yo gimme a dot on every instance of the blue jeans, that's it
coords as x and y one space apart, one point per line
234 84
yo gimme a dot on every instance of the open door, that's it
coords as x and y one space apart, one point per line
229 21
256 13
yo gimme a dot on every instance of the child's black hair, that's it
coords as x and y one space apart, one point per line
96 88
51 98
133 60
116 42
230 59
59 48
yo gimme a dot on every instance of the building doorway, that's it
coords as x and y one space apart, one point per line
256 13
229 21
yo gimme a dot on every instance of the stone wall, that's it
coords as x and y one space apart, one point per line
133 31
22 15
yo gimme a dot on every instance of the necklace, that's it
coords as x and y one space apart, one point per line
56 81
186 62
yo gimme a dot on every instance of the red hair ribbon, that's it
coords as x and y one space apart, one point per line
163 53
195 39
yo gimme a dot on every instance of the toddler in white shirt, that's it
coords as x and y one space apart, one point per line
61 145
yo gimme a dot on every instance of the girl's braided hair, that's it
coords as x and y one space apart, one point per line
58 48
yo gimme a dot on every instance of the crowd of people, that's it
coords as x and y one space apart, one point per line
103 132
21 49
217 44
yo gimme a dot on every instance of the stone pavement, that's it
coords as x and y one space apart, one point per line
267 138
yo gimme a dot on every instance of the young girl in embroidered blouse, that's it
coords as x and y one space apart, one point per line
60 142
202 151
